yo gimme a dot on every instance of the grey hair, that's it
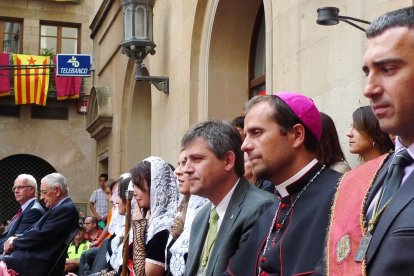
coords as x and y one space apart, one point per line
56 180
397 18
221 137
28 179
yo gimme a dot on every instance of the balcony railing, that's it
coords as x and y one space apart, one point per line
52 86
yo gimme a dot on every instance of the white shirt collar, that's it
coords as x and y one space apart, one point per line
222 206
281 188
24 206
60 202
399 147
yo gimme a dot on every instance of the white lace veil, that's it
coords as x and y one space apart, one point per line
164 196
180 246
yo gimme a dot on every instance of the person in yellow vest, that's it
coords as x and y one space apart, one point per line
75 250
371 226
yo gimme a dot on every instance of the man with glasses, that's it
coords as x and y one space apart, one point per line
91 228
30 211
41 250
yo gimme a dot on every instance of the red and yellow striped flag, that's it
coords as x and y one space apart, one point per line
31 83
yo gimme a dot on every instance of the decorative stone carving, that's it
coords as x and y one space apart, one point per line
99 116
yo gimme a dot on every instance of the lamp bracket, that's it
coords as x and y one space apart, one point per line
140 52
161 83
142 74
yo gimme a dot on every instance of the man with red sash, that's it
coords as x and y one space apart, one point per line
371 230
282 133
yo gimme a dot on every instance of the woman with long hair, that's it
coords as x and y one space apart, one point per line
366 137
329 151
156 192
177 249
111 254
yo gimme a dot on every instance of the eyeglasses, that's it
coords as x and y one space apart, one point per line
45 191
20 188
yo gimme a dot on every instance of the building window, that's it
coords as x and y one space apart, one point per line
9 110
50 112
257 81
59 39
10 35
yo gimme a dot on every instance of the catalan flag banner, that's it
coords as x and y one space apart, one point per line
31 79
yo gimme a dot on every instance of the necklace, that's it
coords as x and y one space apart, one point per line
284 218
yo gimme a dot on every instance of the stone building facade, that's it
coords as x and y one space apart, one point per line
209 51
42 140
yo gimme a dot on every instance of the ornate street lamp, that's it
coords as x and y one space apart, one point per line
329 16
137 41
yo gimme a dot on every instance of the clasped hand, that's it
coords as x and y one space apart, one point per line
8 245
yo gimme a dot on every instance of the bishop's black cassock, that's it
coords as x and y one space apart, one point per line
298 244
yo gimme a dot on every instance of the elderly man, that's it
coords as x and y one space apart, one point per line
40 248
282 133
30 211
215 170
375 235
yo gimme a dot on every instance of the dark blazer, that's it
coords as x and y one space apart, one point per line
39 248
31 214
245 206
391 248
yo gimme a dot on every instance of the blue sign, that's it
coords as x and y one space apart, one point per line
73 65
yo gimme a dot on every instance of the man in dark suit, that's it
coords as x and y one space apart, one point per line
215 167
40 247
30 210
383 243
282 133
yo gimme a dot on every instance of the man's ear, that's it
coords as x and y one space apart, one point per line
58 191
229 159
298 135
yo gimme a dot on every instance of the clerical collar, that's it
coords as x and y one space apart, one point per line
300 179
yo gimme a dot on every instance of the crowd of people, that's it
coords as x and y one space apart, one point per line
269 194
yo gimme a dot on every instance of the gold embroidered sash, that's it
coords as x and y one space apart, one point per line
347 221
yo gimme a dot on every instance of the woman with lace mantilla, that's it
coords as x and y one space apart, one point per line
156 192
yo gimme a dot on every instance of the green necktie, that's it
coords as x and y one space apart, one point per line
211 236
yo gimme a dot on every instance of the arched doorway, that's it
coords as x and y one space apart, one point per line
136 127
222 58
10 168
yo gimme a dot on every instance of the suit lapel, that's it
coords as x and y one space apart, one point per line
13 227
232 213
379 180
404 195
42 220
197 239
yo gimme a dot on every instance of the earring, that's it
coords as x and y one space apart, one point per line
373 144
